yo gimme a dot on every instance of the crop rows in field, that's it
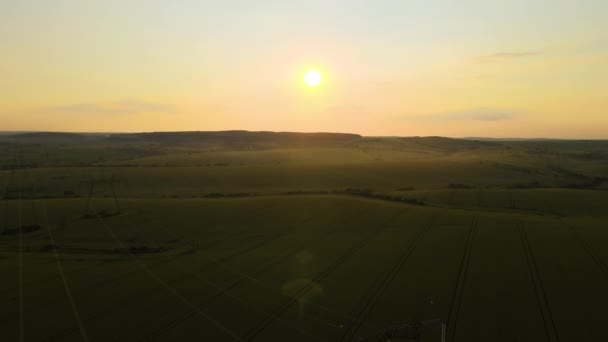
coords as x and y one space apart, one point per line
387 264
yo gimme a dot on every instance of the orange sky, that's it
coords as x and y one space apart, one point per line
476 68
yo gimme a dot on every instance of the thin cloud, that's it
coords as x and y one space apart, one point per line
469 115
506 56
117 108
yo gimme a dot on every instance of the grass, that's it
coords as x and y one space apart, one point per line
317 245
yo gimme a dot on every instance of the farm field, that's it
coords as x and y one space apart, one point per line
245 237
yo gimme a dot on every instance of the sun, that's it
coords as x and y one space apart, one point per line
312 78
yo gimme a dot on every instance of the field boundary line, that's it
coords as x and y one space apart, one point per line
174 323
377 289
539 289
456 302
599 262
20 233
66 286
61 272
167 287
278 311
224 290
132 271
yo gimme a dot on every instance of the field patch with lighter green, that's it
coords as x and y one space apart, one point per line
245 237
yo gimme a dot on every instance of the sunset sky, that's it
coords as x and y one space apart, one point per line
515 68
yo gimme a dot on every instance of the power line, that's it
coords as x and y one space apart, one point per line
166 286
64 281
20 233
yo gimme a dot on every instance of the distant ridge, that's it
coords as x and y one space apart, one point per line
524 139
49 135
240 137
245 135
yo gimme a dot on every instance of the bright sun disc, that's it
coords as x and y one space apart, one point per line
312 78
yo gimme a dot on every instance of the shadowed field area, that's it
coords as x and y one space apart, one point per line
254 236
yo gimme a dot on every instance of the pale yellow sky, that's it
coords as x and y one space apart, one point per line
479 68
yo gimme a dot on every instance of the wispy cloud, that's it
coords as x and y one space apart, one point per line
506 56
481 114
115 108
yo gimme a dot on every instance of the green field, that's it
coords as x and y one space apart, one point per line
236 236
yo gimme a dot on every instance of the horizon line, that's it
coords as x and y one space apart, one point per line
10 132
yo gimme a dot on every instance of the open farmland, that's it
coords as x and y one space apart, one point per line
258 237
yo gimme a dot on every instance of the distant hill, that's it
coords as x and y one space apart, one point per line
240 138
509 139
234 133
49 135
443 142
